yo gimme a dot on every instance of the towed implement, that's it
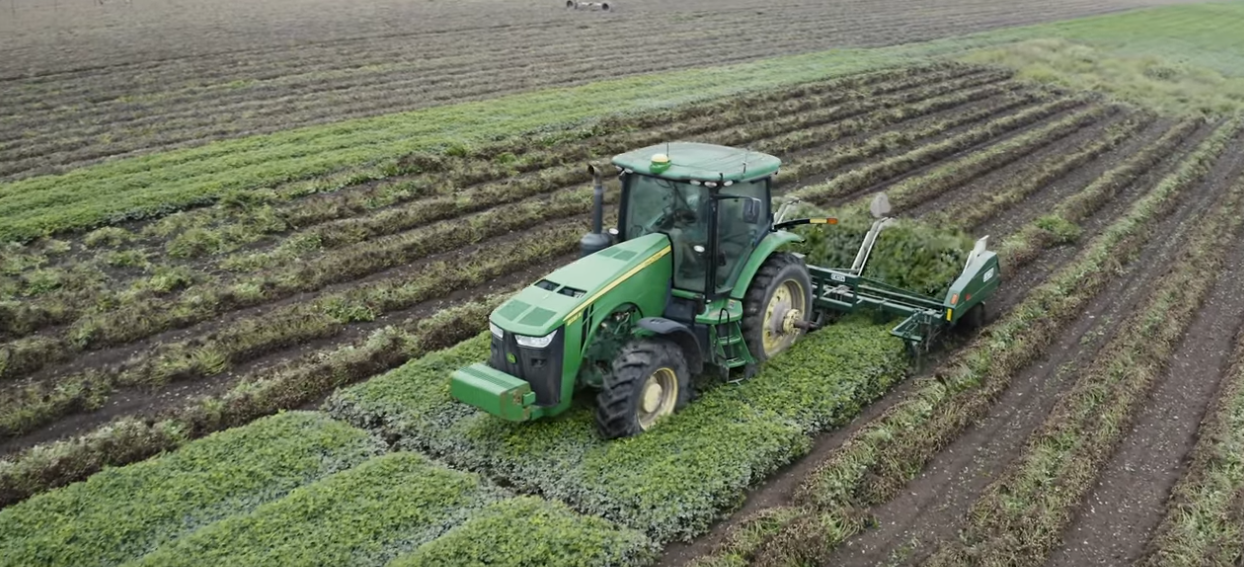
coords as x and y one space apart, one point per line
695 278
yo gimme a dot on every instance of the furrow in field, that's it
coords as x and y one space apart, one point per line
884 454
1203 520
1022 513
1125 506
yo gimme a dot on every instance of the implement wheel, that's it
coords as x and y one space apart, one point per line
649 381
779 297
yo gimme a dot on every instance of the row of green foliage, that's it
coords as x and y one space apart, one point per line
122 513
878 459
1020 516
391 506
142 314
674 480
1204 520
129 439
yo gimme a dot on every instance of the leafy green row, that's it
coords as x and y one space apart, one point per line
1022 513
129 439
526 531
674 480
878 459
122 513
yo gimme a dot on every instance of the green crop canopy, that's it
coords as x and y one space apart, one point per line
696 161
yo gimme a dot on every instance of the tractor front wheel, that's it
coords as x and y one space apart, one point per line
779 297
649 381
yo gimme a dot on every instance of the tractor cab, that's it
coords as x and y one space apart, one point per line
712 202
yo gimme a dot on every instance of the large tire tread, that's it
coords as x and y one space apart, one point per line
777 267
617 399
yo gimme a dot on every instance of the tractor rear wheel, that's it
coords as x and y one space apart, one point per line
779 296
649 381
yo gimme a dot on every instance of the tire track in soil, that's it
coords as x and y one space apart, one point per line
931 508
1124 508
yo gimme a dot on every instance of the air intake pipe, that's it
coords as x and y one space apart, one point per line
596 240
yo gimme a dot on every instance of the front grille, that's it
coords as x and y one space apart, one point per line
539 367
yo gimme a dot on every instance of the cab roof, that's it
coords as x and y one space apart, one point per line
698 161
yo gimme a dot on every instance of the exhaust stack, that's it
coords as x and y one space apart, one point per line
596 240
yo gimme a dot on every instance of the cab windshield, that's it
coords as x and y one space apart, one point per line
681 211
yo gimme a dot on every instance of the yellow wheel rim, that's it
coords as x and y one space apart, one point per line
788 304
657 396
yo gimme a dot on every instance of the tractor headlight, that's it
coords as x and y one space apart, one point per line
496 331
535 342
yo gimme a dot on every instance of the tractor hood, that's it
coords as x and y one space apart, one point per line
544 306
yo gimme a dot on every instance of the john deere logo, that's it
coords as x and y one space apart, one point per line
509 356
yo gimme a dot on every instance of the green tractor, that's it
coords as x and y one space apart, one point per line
694 279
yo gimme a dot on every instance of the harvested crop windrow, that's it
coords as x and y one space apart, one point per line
674 480
450 204
884 454
551 535
1022 247
917 190
131 439
500 160
1019 518
364 516
121 513
970 214
1204 521
861 178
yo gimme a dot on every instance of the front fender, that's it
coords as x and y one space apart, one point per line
768 245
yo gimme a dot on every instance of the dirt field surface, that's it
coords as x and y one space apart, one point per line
83 81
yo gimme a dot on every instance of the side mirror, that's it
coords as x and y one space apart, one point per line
751 211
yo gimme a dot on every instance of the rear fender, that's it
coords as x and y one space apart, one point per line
768 245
